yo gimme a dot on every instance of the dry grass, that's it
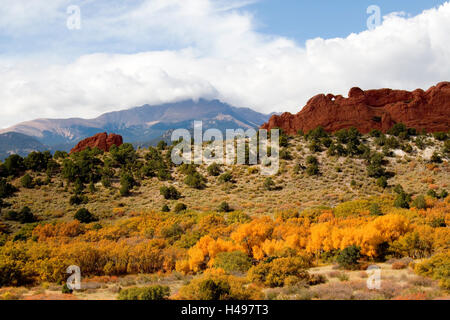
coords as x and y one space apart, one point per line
298 191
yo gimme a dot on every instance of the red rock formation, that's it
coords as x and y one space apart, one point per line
103 141
372 109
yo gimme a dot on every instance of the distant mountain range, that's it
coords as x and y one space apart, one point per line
17 143
141 126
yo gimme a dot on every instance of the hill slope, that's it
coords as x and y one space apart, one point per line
136 230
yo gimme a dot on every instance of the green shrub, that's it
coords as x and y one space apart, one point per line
210 289
277 271
224 207
441 136
311 160
397 129
27 181
161 145
375 166
170 193
402 201
313 166
145 293
337 149
446 148
235 261
127 183
172 232
14 165
283 139
78 187
84 166
124 154
11 215
106 181
12 274
269 184
187 168
392 143
37 161
26 216
83 215
214 169
78 199
348 258
219 287
163 174
125 189
285 154
316 134
195 180
180 207
165 208
23 216
432 194
65 289
375 133
326 142
382 182
399 189
6 189
375 210
419 202
60 155
315 146
226 177
313 170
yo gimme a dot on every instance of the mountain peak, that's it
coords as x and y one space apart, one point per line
140 125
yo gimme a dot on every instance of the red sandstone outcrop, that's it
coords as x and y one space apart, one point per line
371 109
103 141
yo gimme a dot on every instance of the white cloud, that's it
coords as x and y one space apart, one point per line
218 54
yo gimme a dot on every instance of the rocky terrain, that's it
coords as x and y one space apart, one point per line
372 109
102 141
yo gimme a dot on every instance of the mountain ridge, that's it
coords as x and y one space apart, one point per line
18 143
141 124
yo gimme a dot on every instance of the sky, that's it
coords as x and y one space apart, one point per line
81 58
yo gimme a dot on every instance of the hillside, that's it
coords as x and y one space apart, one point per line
140 125
148 222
